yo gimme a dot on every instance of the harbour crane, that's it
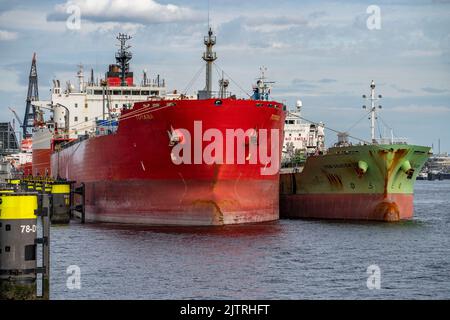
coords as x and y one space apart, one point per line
17 117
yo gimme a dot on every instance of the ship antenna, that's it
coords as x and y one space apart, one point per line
123 57
80 76
262 86
373 110
91 81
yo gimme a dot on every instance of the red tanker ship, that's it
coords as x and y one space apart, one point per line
209 160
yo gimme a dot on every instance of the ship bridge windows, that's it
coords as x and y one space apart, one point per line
125 92
290 121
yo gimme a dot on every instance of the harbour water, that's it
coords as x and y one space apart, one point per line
288 259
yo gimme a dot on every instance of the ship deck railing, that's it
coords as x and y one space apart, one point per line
202 94
392 141
79 139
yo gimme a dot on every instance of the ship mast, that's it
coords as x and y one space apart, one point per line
123 57
209 56
373 109
80 76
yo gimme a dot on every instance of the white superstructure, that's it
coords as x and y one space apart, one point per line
300 137
90 102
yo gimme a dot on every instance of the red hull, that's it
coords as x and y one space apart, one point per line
348 206
177 202
130 176
41 162
27 168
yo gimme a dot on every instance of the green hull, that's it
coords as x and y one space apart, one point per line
370 182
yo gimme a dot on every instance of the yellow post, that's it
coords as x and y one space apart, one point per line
18 229
60 212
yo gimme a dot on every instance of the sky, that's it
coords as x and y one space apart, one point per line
323 52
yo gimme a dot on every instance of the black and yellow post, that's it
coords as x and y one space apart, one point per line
61 202
18 229
13 182
30 186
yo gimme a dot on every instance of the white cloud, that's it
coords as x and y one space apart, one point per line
7 35
136 11
109 27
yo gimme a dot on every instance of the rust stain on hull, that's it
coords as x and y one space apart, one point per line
333 179
391 163
388 210
217 212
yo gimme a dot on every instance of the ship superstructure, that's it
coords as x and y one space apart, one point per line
301 138
84 109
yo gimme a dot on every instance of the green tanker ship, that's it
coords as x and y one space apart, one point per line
362 182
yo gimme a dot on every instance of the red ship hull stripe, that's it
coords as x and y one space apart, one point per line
182 202
394 207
